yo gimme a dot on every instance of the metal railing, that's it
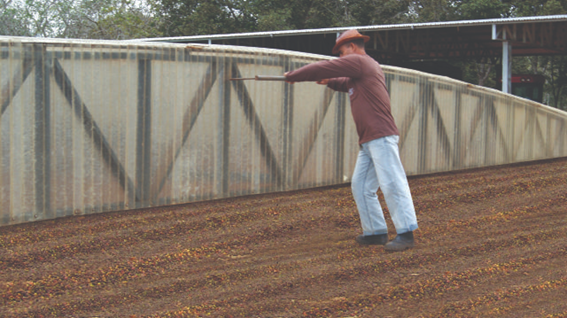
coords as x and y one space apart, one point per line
95 126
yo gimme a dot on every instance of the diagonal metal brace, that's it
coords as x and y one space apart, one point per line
89 124
256 125
27 68
189 118
314 127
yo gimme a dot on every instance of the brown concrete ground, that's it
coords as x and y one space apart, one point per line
492 242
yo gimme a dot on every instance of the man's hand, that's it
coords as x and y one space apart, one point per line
285 74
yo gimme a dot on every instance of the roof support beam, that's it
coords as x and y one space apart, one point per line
505 34
507 67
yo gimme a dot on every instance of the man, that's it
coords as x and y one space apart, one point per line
378 164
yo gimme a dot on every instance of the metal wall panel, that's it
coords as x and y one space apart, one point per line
95 126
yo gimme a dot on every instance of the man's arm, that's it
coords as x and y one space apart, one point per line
347 66
338 84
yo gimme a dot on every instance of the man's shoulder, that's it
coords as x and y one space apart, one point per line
361 58
355 57
370 59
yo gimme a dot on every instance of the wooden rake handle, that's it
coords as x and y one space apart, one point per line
261 78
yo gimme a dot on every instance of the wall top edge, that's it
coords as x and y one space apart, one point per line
196 48
6 41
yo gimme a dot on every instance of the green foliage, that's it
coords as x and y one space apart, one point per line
371 12
482 9
553 68
117 20
28 18
524 8
190 17
432 10
12 20
307 14
556 81
95 19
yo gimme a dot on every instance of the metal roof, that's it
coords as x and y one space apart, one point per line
422 46
404 26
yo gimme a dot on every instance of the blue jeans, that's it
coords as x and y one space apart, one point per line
379 167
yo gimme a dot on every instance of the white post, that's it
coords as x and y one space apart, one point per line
507 67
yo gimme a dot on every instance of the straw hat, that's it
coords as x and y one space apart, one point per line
348 36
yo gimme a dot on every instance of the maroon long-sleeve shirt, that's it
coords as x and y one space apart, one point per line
362 77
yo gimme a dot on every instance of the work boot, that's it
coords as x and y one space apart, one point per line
402 242
379 239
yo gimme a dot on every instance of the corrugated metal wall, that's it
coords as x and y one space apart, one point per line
91 126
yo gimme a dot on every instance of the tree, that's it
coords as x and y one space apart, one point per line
109 19
556 82
553 68
431 10
95 19
192 17
309 14
483 67
106 19
524 8
371 12
12 21
306 14
28 18
481 9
